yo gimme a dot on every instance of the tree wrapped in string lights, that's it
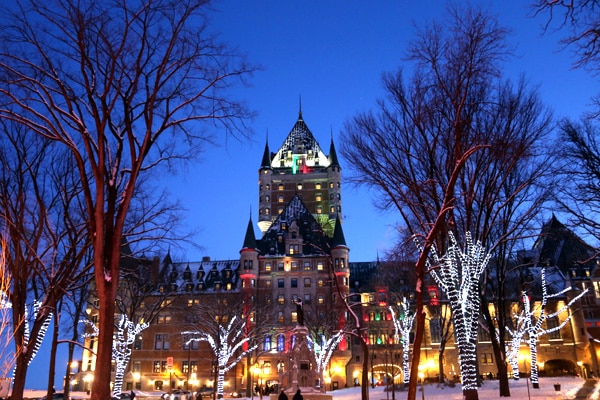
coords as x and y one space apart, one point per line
124 338
512 347
403 325
534 324
227 346
324 349
458 274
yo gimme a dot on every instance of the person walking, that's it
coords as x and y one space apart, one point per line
298 396
282 395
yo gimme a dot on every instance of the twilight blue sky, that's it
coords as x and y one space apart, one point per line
331 53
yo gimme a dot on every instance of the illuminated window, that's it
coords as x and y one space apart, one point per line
280 198
318 185
164 319
280 186
267 198
268 267
267 367
281 343
331 186
280 210
293 249
281 299
318 197
307 266
294 266
267 344
319 210
320 283
268 187
332 209
299 186
320 299
294 317
267 211
486 358
137 344
268 283
280 317
320 266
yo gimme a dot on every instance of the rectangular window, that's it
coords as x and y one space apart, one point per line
320 266
597 289
435 330
280 266
306 282
320 299
294 282
294 250
137 345
280 283
552 327
294 317
281 299
318 185
156 367
268 267
307 266
161 341
268 283
280 317
486 358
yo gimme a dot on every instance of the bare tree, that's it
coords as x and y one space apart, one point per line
124 86
445 142
46 238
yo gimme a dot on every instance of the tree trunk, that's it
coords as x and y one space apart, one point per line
416 353
52 362
19 379
106 322
364 390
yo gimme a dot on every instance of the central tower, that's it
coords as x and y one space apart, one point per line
300 167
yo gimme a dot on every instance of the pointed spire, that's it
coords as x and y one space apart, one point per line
300 107
266 158
333 158
249 239
338 234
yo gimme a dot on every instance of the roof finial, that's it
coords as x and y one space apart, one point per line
300 107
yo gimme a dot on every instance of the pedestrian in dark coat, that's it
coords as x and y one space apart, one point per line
298 396
282 396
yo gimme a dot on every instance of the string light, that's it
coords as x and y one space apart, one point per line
458 275
533 324
225 345
403 326
121 346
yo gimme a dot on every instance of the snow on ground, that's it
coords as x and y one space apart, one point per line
518 389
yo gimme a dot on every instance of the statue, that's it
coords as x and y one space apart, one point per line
299 311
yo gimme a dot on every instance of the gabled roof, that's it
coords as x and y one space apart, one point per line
338 234
558 245
295 214
300 141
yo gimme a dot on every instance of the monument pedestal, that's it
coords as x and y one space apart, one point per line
303 374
